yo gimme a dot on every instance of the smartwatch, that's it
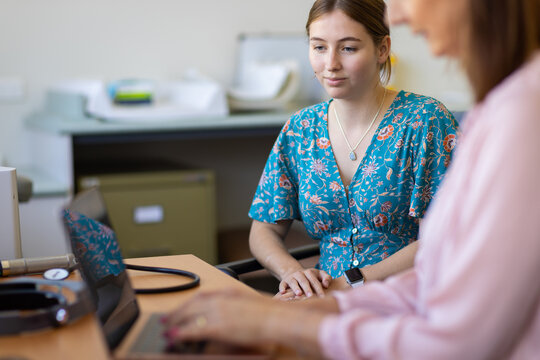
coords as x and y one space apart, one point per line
354 277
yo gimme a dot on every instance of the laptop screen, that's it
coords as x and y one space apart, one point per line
96 249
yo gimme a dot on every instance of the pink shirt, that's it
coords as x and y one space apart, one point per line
474 292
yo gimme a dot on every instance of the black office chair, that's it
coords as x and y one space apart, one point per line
244 266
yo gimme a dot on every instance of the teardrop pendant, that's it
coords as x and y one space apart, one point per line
352 156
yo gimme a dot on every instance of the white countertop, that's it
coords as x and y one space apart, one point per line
61 124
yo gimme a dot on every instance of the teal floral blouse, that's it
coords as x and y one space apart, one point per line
393 185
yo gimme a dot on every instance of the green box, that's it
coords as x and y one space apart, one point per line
161 213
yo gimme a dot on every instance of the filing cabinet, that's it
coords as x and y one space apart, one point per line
161 213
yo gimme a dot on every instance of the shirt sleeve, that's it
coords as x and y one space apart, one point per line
475 293
437 138
378 307
276 197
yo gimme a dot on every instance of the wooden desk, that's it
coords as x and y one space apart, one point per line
84 340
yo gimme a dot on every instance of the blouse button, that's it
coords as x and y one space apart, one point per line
355 262
355 248
354 230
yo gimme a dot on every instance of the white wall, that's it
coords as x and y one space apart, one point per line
416 70
46 41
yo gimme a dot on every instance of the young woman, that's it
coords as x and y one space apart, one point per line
474 291
358 170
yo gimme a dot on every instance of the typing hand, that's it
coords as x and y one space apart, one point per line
213 317
306 282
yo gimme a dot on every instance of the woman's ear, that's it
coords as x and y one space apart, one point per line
383 50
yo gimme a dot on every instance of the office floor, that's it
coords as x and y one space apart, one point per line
233 245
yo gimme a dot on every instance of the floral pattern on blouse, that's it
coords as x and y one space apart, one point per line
390 191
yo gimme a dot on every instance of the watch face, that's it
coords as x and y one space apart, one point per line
354 275
56 274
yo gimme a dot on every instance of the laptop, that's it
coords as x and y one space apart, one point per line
96 250
94 245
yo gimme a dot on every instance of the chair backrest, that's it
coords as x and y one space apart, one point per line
236 268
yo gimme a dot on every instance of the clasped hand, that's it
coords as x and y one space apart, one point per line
304 282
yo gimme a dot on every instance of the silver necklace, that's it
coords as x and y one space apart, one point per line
352 154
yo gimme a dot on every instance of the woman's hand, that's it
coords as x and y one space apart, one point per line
229 316
336 284
305 282
289 295
248 319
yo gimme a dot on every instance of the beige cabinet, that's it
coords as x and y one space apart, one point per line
161 213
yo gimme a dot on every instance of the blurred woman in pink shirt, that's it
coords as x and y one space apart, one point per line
474 291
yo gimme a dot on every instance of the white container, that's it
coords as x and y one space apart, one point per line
10 236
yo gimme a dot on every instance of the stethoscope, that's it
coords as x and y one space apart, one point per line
61 274
194 282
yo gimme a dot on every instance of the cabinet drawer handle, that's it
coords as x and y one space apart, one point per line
148 214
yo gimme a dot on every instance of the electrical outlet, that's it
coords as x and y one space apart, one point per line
11 89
